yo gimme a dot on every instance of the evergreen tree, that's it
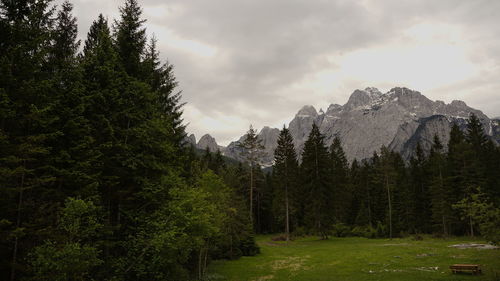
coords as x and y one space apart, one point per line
130 37
285 172
317 189
252 152
440 200
386 175
419 200
340 181
460 176
162 80
218 163
26 128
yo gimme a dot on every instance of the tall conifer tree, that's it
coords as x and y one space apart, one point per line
340 180
252 151
318 192
285 171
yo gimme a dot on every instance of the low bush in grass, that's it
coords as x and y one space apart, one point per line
364 231
249 247
341 230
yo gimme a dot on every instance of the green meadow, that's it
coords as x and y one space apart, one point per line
310 259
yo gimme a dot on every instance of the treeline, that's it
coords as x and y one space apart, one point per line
453 191
95 180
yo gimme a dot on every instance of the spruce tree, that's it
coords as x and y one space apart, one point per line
419 192
26 127
162 81
130 37
440 200
386 175
316 185
339 180
285 172
252 152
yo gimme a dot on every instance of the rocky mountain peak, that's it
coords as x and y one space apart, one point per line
458 104
208 141
191 139
373 91
363 98
307 111
333 107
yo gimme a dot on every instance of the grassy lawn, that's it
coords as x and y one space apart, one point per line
310 259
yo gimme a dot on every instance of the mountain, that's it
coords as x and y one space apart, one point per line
398 119
207 141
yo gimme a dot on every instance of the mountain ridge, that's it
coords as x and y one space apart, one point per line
370 119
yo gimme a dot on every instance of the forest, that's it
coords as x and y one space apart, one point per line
97 181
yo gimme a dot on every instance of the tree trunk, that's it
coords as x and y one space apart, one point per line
471 227
199 263
443 206
18 224
390 206
287 223
251 193
287 226
444 227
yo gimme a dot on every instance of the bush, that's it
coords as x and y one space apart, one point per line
248 246
299 232
418 237
281 237
340 230
381 230
364 231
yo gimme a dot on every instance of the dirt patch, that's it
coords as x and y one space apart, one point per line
275 244
474 246
428 268
425 255
264 278
396 244
291 263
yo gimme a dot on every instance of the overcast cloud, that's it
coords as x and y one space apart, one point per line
257 62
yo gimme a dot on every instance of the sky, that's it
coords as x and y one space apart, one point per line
242 62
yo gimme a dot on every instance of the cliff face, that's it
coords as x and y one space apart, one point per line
398 119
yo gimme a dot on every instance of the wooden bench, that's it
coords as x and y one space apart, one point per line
474 268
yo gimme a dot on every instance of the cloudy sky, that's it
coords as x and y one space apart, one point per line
259 61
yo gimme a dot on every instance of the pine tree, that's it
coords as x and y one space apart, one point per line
218 163
419 200
73 150
26 126
440 200
252 152
460 174
317 189
339 180
162 80
285 172
386 175
130 37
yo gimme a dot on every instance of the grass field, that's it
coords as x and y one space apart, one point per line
310 259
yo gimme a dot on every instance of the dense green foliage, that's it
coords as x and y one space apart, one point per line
96 180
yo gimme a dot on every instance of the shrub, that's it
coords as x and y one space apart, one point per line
299 232
364 231
248 246
340 230
281 237
381 230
